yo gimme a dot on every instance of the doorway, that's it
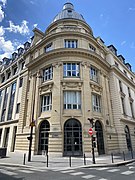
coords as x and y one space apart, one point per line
43 137
100 139
72 138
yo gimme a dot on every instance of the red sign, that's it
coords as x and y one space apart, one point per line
90 131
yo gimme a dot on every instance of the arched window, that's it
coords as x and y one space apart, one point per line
72 138
43 137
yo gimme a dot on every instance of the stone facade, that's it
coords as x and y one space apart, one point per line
69 77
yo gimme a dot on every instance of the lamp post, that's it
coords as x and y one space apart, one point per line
92 140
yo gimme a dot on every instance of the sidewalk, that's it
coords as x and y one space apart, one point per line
40 161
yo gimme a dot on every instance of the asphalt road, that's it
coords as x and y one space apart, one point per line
106 173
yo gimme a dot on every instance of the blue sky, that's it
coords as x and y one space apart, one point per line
113 21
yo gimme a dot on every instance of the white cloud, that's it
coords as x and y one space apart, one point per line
22 29
35 25
2 31
123 42
3 2
131 9
1 14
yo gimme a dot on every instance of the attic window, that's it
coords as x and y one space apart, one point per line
69 11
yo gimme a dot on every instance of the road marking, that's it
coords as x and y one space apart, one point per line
39 170
8 172
131 167
88 176
101 169
25 171
68 171
102 179
128 172
77 173
113 170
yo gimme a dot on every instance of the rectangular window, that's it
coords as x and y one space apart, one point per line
2 79
71 43
1 94
96 103
132 111
71 69
20 82
120 85
46 102
116 64
6 137
123 105
18 108
48 73
125 72
93 74
14 70
129 93
11 103
4 105
8 75
72 100
48 47
22 65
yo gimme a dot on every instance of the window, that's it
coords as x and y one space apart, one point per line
11 103
72 100
48 47
46 102
8 75
132 79
14 70
71 44
4 104
18 108
2 78
21 82
125 72
22 65
116 64
132 111
120 85
1 94
0 135
129 93
92 48
94 74
123 105
48 73
71 70
96 103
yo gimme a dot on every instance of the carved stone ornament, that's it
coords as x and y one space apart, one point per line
96 88
57 64
45 88
85 64
72 85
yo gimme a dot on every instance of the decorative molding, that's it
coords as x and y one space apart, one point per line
85 64
67 84
45 87
96 87
57 64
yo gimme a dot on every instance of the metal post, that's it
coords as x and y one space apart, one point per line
24 158
93 153
30 144
70 161
132 154
112 157
47 160
123 155
84 159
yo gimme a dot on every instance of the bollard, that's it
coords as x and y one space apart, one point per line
112 157
123 155
47 160
84 159
70 161
24 158
132 154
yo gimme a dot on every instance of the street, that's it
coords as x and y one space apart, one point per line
105 173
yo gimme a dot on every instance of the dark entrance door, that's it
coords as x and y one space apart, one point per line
72 138
128 138
43 137
100 139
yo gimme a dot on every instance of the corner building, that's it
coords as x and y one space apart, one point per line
70 77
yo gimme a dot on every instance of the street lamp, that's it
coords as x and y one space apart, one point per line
92 140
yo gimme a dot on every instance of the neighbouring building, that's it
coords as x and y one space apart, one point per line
61 79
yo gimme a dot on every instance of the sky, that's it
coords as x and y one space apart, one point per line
113 21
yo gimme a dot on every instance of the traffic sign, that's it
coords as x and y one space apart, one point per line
90 131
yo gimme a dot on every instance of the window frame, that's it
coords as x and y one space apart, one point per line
46 102
71 43
71 70
94 74
96 103
48 73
